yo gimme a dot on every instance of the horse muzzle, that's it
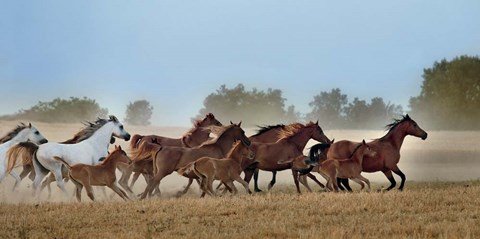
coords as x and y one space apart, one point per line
43 141
126 137
424 137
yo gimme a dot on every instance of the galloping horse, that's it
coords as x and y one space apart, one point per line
270 134
89 151
168 159
290 145
20 134
387 148
194 137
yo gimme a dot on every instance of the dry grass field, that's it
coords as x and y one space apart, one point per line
441 200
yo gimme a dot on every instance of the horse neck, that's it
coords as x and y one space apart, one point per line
396 136
300 139
236 154
224 143
20 137
101 138
110 163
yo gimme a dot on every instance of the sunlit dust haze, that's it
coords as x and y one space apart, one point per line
175 53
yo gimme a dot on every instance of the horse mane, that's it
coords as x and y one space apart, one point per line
355 150
10 135
263 129
89 130
143 151
218 131
289 130
394 124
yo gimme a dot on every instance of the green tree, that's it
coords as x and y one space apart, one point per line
253 107
327 107
139 113
362 115
71 110
450 95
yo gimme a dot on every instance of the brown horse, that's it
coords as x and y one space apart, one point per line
83 175
227 169
290 145
194 137
387 148
270 134
347 168
168 159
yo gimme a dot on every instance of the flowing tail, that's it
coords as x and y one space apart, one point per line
187 169
317 150
64 163
24 150
134 142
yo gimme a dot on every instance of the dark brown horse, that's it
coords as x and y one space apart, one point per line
271 134
167 159
387 148
290 145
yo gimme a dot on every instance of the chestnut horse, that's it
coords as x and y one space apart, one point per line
227 169
387 148
270 134
290 145
167 159
194 137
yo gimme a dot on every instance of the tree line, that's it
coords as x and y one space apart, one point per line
449 99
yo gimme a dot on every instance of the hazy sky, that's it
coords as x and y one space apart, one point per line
175 53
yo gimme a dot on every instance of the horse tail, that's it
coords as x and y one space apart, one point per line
193 168
135 140
316 150
186 170
24 150
64 163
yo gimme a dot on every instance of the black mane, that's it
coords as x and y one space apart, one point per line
264 129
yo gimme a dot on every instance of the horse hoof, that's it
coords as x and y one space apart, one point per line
258 191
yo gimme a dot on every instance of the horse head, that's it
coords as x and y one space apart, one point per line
33 135
318 133
118 129
414 129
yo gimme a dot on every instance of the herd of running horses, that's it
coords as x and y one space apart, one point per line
85 160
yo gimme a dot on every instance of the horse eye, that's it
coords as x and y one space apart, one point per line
121 126
36 132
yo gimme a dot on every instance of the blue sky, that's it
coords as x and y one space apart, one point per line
175 53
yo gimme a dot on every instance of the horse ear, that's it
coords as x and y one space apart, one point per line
120 147
316 122
407 116
29 125
363 142
240 124
332 141
231 122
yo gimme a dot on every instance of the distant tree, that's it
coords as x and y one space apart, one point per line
253 107
292 115
71 110
139 113
327 107
450 95
362 115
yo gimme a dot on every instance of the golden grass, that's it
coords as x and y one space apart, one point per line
424 210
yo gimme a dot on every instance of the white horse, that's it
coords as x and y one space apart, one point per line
21 133
89 151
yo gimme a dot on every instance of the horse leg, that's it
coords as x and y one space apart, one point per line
232 186
274 179
59 178
255 181
346 184
124 180
398 172
78 190
303 181
295 179
17 180
134 179
245 184
46 183
40 173
89 190
26 170
153 183
388 174
357 180
311 176
366 181
119 191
